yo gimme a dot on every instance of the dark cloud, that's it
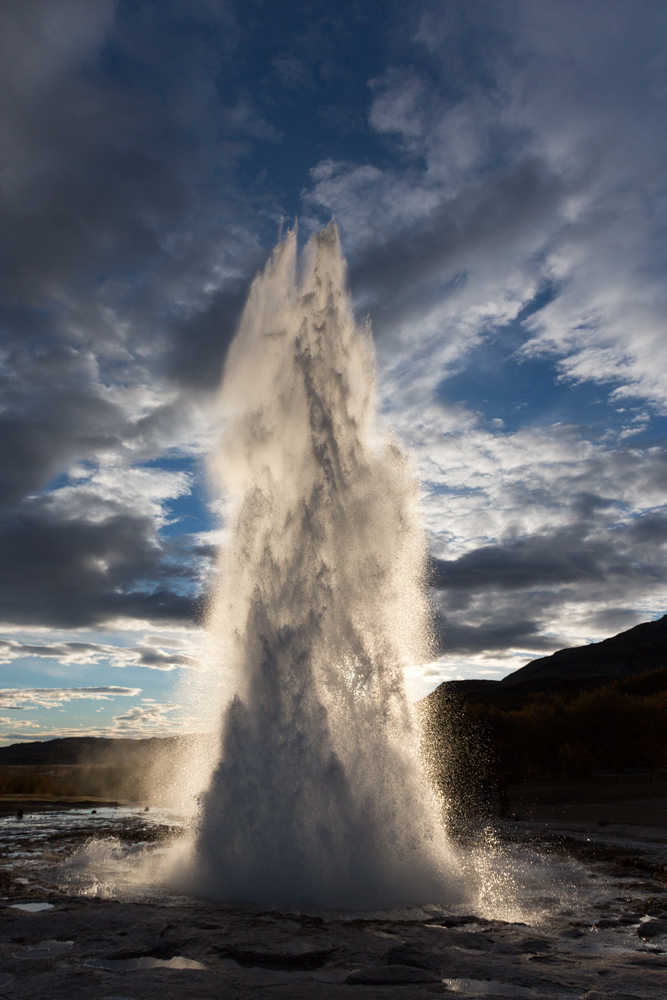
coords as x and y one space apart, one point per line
107 159
93 652
542 561
574 555
115 146
494 214
125 248
575 563
509 595
611 620
201 340
159 660
649 529
55 413
69 572
492 636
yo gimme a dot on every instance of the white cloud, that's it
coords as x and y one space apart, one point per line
80 653
145 717
109 490
591 220
18 698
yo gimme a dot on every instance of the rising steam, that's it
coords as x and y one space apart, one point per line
316 797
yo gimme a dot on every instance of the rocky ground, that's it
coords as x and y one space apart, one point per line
566 912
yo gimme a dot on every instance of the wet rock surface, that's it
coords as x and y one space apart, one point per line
591 924
404 954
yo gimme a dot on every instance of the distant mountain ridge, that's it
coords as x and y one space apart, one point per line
88 750
577 668
635 651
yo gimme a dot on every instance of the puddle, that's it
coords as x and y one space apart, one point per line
619 939
145 962
301 956
31 907
46 949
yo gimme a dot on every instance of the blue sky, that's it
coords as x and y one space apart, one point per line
497 172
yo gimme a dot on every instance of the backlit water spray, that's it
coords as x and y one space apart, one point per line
316 797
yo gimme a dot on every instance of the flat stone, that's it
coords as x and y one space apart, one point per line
652 928
391 975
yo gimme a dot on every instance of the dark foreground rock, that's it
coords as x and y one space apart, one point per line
92 949
652 929
599 939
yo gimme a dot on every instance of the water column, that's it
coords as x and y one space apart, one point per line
317 797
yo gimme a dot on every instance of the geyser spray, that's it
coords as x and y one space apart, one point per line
316 798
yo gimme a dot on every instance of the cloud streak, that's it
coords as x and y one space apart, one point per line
71 653
20 698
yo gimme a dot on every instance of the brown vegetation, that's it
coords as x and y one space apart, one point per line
116 781
620 726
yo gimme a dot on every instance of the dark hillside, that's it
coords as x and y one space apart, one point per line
85 750
124 769
636 651
585 710
570 671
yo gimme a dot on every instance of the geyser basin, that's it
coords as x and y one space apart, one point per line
317 798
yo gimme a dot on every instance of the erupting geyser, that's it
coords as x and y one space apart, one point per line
317 797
